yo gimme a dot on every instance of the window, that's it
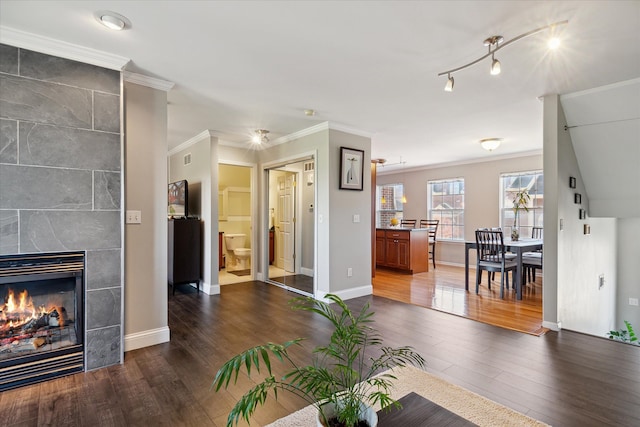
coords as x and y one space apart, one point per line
445 202
510 184
388 203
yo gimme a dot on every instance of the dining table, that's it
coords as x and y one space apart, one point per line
518 247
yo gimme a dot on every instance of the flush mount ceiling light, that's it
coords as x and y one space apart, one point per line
495 43
490 144
113 21
309 112
260 136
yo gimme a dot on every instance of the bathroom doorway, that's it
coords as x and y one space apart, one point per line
292 226
235 224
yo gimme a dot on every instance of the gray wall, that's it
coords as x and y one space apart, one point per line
61 177
146 307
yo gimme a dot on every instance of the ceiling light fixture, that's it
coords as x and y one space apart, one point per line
260 136
490 144
309 112
112 20
494 44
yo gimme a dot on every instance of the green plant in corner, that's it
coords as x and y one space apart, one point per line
520 201
344 374
627 335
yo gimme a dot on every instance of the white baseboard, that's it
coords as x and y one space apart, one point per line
306 271
146 338
452 264
552 325
260 276
349 293
209 289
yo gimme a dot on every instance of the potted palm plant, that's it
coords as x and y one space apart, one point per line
520 201
345 378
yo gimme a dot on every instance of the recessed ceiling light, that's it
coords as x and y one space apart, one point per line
112 20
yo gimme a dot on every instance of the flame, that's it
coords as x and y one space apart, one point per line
18 311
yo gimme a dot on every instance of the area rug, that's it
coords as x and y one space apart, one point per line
469 405
240 272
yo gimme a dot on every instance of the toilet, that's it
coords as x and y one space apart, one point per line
239 255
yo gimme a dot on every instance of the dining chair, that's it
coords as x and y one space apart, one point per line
531 261
432 225
492 257
408 223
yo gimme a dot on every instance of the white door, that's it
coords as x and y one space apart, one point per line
286 221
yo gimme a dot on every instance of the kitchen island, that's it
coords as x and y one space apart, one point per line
404 249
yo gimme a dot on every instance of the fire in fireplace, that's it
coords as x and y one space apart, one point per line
41 317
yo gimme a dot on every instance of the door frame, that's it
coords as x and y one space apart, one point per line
264 211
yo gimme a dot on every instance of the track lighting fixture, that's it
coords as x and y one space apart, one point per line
260 136
495 43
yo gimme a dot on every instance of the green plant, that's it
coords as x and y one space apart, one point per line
342 372
520 201
627 335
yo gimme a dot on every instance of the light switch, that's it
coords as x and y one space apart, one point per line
356 218
133 217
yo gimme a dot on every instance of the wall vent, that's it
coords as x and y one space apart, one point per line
187 159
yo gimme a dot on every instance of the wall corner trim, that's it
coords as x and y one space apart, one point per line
552 325
146 338
38 43
152 82
347 294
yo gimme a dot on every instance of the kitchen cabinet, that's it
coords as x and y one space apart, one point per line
403 249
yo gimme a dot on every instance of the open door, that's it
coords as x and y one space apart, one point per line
292 226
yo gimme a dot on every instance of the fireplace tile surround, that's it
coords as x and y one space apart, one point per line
61 178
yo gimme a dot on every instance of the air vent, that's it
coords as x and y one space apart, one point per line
187 159
308 166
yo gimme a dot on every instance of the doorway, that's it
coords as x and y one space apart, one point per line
235 243
291 189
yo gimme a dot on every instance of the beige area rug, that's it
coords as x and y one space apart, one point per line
469 405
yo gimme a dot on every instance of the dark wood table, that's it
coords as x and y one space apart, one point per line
418 412
519 247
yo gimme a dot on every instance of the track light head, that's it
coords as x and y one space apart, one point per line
449 86
495 66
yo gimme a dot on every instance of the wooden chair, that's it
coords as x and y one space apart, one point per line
408 223
531 261
491 256
432 225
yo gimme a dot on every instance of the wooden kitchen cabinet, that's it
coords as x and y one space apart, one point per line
403 249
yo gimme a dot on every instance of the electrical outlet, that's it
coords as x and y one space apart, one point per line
134 217
356 218
633 301
349 272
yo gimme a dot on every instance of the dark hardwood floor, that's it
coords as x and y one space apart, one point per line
565 378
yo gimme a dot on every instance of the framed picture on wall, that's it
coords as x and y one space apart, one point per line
583 214
572 182
351 169
577 198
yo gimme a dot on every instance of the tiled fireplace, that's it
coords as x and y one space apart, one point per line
61 191
41 318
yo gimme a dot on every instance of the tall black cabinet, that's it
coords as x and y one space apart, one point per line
185 260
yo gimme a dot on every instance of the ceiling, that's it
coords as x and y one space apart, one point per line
365 66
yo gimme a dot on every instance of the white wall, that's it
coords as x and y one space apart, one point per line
202 175
581 258
628 281
145 290
481 198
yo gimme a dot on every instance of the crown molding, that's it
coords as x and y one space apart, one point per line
381 172
299 134
25 40
353 131
188 143
152 82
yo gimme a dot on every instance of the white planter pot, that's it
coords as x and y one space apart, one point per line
367 414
